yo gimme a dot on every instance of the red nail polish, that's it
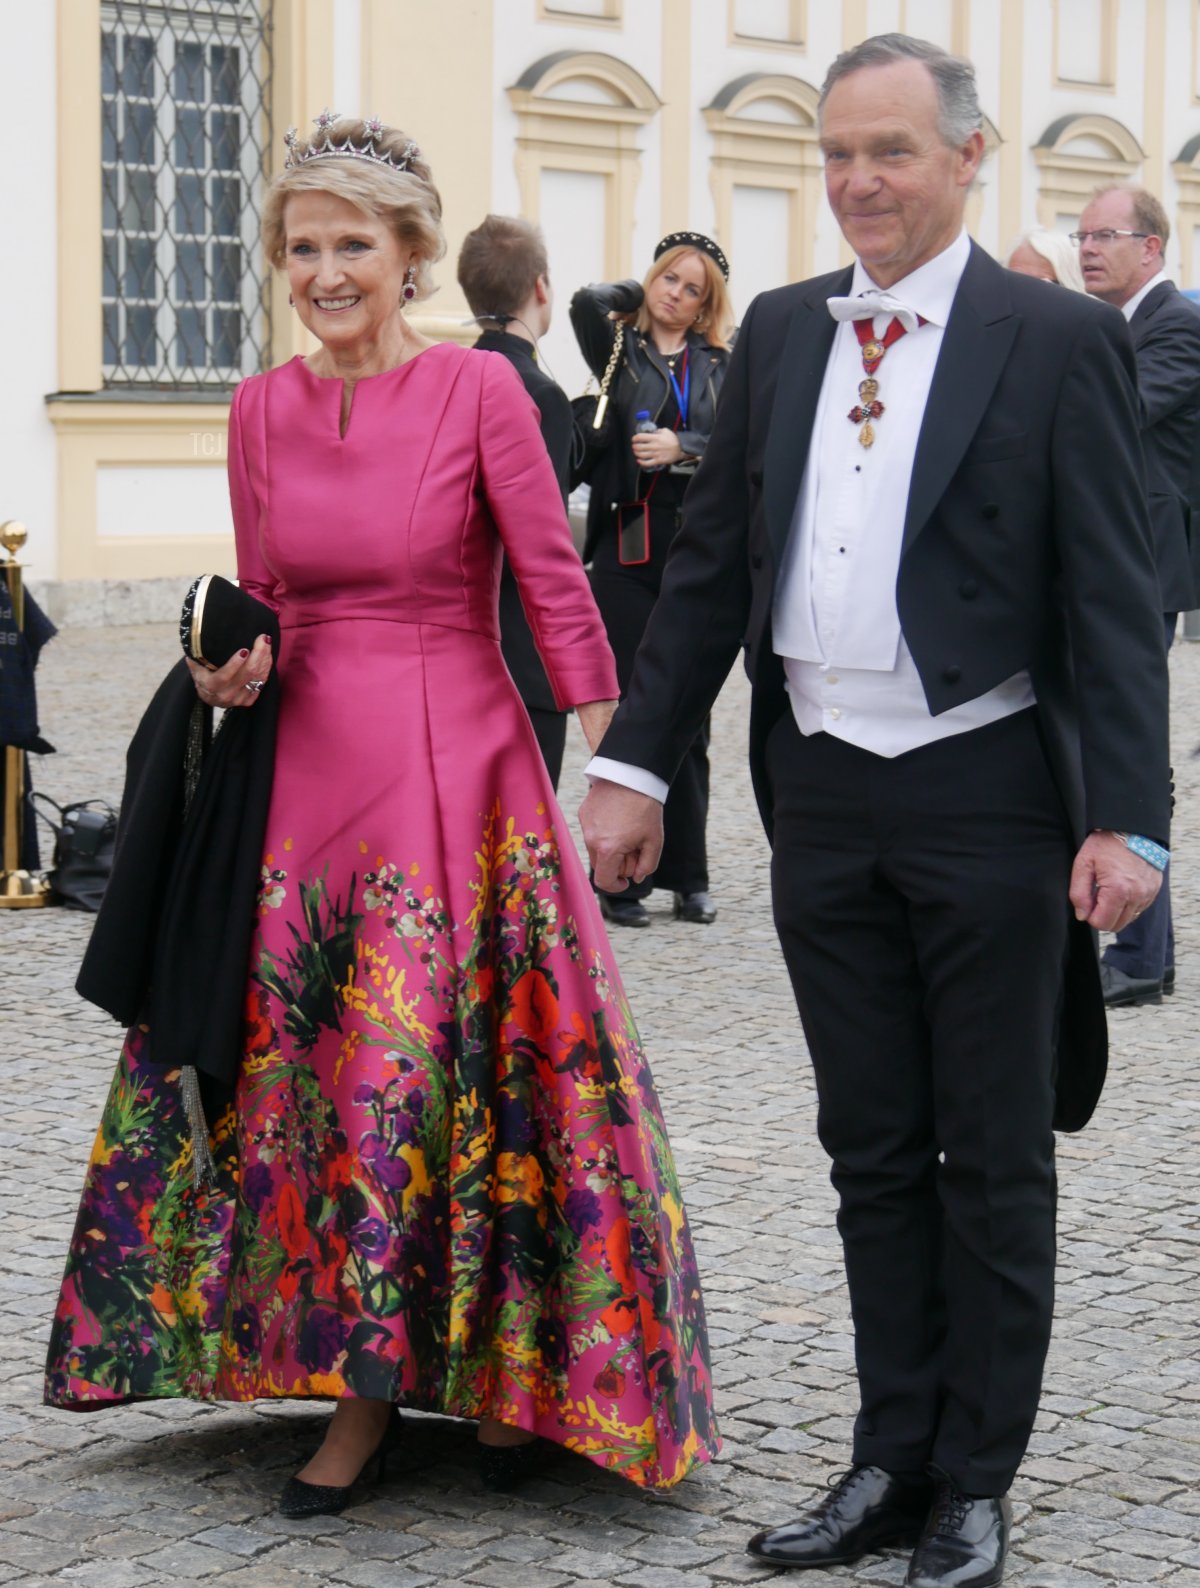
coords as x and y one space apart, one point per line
266 639
243 654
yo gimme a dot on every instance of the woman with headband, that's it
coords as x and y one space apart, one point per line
678 324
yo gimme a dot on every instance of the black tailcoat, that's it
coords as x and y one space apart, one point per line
1026 547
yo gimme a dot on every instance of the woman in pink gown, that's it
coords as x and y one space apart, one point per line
444 1180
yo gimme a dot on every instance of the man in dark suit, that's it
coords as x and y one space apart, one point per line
1122 236
922 513
505 277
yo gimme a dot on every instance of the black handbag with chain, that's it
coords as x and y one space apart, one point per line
593 419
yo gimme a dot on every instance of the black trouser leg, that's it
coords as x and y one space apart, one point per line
922 907
551 730
626 598
684 863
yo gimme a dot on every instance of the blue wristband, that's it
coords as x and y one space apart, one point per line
1146 849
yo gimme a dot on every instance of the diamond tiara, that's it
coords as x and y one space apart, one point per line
321 146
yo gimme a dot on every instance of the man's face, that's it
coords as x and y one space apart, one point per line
1116 271
897 190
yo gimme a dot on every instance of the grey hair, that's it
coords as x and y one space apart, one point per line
959 114
1059 252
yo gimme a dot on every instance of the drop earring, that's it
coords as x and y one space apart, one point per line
409 291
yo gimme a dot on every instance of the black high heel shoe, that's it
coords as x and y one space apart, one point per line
300 1499
504 1466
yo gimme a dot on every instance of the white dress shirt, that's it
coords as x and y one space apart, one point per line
1130 309
834 621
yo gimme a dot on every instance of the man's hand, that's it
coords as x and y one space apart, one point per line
623 831
1110 885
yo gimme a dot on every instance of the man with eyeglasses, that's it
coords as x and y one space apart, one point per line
1122 239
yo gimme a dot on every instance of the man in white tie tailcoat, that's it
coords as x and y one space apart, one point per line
922 516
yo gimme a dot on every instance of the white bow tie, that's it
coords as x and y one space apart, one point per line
868 304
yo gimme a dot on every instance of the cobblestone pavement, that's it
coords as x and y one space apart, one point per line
173 1493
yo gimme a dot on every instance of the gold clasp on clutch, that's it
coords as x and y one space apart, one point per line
601 407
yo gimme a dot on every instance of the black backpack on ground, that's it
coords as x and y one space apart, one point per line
84 836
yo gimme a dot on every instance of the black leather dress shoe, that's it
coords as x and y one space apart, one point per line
1126 992
866 1509
623 912
697 907
1169 980
964 1543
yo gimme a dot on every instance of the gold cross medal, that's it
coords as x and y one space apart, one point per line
870 408
872 350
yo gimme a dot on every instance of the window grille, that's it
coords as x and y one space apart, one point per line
185 118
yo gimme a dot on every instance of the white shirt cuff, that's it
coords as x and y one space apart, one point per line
634 777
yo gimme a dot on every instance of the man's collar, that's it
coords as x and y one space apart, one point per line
1130 309
931 287
508 342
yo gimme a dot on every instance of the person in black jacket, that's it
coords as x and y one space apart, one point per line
505 277
678 325
1122 238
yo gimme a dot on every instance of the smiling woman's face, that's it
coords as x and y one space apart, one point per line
345 269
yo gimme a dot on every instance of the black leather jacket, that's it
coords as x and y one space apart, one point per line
641 382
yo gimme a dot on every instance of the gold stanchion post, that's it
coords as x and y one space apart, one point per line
19 889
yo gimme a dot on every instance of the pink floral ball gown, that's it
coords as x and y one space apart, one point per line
445 1180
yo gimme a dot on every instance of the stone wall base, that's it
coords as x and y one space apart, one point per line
98 603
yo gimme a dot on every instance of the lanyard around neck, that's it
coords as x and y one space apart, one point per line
681 396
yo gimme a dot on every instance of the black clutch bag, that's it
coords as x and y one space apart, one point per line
219 619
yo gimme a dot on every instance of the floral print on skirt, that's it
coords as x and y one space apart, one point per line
444 1182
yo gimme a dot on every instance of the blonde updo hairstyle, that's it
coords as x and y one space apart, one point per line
407 201
715 321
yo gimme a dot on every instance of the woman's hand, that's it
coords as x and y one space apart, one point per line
239 682
594 718
656 449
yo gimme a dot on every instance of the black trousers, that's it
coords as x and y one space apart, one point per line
626 598
922 907
551 730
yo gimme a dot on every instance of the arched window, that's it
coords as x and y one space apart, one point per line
1076 154
578 160
766 179
579 114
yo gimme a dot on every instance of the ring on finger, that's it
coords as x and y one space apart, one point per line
255 685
